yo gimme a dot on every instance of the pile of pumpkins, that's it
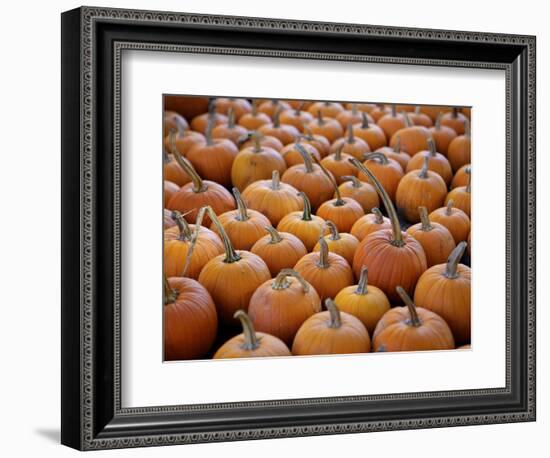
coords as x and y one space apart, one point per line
284 227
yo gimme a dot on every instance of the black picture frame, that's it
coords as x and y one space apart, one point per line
92 40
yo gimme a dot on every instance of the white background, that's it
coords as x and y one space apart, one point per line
30 242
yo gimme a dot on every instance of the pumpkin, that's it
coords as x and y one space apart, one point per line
459 151
372 222
230 131
190 320
280 306
363 193
170 188
435 238
271 107
337 163
319 142
309 178
208 120
172 170
187 106
301 104
355 147
327 272
343 211
392 257
255 119
213 160
198 193
292 156
326 109
433 111
284 132
251 344
420 188
351 116
296 117
331 333
387 171
420 119
454 219
327 127
395 153
378 111
392 122
461 194
445 289
255 163
279 250
370 133
442 135
455 120
413 138
239 107
368 303
265 140
366 107
243 227
174 121
168 222
303 224
460 177
436 162
343 244
185 140
231 278
411 328
177 245
272 198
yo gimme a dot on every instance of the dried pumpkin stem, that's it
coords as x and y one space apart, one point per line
415 320
394 110
423 173
354 109
230 254
397 236
231 118
242 211
334 233
306 215
425 219
451 270
281 281
351 136
170 294
356 182
198 184
335 317
381 158
210 122
183 227
438 121
379 217
277 117
339 202
338 152
320 119
397 147
298 110
251 341
449 210
469 184
467 128
306 157
275 236
455 112
363 282
275 180
323 254
417 109
407 118
255 107
364 120
431 147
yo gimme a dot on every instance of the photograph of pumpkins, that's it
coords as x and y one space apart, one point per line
297 228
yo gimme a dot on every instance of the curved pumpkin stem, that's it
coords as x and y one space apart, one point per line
393 110
451 270
364 120
335 318
469 184
231 118
281 281
415 321
379 217
170 294
277 117
275 236
407 118
323 254
242 211
334 233
397 147
396 227
431 147
339 202
425 219
424 170
438 121
381 158
185 164
351 135
251 341
306 157
306 215
356 182
338 152
275 180
183 227
230 254
363 282
257 138
449 209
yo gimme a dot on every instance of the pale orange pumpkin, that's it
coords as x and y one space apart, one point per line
239 107
378 111
454 219
455 120
436 162
352 145
271 107
340 243
265 141
366 302
459 151
296 117
461 194
387 171
363 193
319 142
231 130
413 138
350 116
208 120
281 305
326 109
395 153
442 135
461 177
255 119
371 222
371 133
292 156
420 119
330 333
185 140
170 188
327 127
392 122
286 133
338 164
174 121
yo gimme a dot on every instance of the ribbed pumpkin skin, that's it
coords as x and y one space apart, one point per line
174 173
413 139
357 149
319 142
460 178
240 106
413 192
457 222
339 167
367 224
461 199
231 285
190 322
243 234
390 124
449 298
253 122
345 246
457 122
214 162
438 164
365 195
281 255
390 266
266 141
401 158
316 185
343 216
185 141
437 242
328 109
373 135
315 337
200 123
330 128
389 175
269 346
327 282
442 138
251 165
393 333
281 312
234 133
296 119
307 231
459 152
285 132
292 157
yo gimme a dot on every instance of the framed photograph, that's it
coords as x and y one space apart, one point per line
276 228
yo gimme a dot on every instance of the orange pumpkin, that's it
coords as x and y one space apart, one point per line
461 194
296 117
354 146
286 133
435 238
239 107
326 109
459 151
185 140
255 119
372 222
243 227
378 111
413 138
411 328
178 243
273 198
363 193
280 306
255 163
187 106
370 133
445 289
461 177
230 131
455 120
292 156
232 278
433 111
368 303
174 121
265 140
351 116
395 153
392 122
327 127
331 333
387 171
309 178
251 344
454 219
208 120
303 225
436 162
172 170
366 107
190 320
338 164
279 250
442 135
420 188
420 119
392 257
343 243
271 107
170 189
319 142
